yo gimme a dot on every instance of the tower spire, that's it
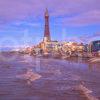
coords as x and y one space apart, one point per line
46 12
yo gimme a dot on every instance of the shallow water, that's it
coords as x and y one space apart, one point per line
58 81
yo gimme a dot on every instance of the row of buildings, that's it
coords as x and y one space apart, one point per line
65 49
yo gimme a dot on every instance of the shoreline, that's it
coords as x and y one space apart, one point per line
92 59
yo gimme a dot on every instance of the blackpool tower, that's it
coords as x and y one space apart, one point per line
46 30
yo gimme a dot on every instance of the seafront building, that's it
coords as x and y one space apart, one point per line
94 47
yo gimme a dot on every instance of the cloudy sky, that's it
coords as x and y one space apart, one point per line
22 21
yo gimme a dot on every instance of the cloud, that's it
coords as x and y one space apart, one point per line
90 37
27 24
21 9
70 7
85 38
75 39
87 18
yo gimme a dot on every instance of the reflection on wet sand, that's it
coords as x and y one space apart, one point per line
95 60
55 79
86 92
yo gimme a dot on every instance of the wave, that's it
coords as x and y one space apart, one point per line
86 92
29 76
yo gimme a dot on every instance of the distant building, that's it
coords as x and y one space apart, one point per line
86 48
49 46
94 46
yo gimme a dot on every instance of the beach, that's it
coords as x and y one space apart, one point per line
24 77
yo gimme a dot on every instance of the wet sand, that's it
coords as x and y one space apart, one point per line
60 79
